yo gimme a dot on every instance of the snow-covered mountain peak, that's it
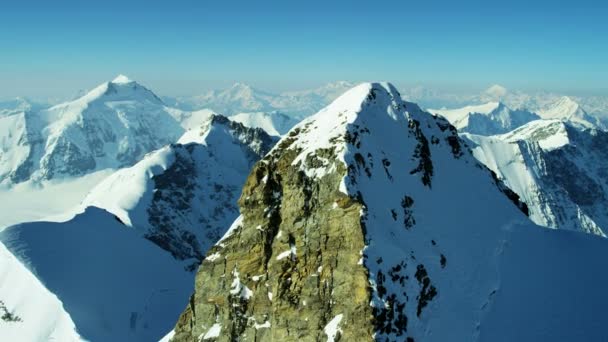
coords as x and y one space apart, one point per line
274 123
371 192
374 103
119 89
458 114
121 79
376 95
566 108
111 126
219 125
199 178
240 89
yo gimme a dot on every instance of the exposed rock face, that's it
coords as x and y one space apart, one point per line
296 248
339 237
195 198
184 196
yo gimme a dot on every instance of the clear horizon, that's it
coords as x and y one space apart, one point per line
53 50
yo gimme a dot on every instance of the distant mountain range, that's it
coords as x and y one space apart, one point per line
339 213
243 98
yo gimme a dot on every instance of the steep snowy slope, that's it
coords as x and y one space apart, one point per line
183 196
487 119
28 311
112 126
115 285
559 168
274 123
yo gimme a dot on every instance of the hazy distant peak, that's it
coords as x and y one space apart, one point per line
496 91
121 79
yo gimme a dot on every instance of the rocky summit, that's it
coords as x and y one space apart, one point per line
371 220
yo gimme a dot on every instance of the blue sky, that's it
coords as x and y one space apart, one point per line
55 48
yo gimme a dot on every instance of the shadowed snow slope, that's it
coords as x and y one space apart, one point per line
115 285
372 220
35 313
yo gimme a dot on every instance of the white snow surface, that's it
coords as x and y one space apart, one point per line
41 314
486 119
111 126
115 285
565 108
213 332
274 123
332 329
54 200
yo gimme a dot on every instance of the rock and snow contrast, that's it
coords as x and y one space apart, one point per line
559 168
487 119
112 126
184 196
137 257
371 220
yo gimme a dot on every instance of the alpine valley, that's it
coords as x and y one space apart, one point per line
340 213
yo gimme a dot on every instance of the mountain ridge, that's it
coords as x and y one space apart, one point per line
328 235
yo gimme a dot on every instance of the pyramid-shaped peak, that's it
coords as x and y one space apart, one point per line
370 93
121 79
567 100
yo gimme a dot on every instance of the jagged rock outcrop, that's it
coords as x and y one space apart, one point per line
352 228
